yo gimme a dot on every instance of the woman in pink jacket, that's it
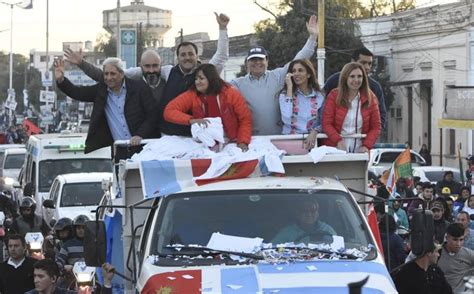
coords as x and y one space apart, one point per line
351 109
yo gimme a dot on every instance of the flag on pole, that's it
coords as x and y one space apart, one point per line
374 226
401 168
30 127
461 171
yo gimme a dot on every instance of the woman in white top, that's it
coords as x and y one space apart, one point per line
301 101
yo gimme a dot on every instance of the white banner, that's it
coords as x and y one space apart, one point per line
47 78
47 96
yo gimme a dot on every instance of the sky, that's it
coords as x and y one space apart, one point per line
81 20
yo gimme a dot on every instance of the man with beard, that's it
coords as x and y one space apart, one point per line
178 78
28 221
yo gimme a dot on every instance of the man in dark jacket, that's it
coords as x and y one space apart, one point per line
16 274
422 275
449 182
364 57
123 109
440 223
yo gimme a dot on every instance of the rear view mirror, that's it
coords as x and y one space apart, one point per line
95 243
48 203
422 232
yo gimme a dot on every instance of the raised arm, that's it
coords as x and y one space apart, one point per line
308 49
81 93
90 70
222 53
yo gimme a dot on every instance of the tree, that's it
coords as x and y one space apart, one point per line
383 7
21 75
106 44
284 35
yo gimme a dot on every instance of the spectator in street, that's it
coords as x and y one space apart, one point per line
28 221
213 97
440 223
12 136
46 276
456 261
418 189
301 102
123 108
469 208
464 220
365 58
403 188
397 253
399 214
422 275
261 87
426 154
449 182
423 200
16 274
461 200
351 109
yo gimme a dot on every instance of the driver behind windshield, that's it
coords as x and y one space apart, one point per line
307 227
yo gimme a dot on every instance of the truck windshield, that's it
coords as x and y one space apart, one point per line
298 216
14 161
49 169
81 194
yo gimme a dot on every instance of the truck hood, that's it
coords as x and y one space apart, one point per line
72 212
299 277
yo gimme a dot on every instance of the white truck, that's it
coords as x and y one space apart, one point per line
49 155
223 237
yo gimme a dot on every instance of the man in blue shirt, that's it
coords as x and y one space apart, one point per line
364 57
124 109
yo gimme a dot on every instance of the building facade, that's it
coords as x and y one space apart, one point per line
427 51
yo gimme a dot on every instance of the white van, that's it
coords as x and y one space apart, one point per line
49 155
11 162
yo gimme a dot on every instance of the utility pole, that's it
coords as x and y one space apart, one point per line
321 52
118 30
181 39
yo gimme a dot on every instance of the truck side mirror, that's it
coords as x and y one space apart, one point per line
95 243
48 203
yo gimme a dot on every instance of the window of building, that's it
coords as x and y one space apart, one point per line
43 58
451 141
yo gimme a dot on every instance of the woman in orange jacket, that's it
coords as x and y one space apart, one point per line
210 96
350 109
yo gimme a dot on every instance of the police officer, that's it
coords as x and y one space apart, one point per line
28 221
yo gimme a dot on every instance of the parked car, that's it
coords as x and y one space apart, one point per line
381 159
434 174
74 194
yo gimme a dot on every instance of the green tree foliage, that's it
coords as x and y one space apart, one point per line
285 35
21 75
383 7
106 44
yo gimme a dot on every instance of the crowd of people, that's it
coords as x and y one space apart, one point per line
21 271
154 100
442 267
